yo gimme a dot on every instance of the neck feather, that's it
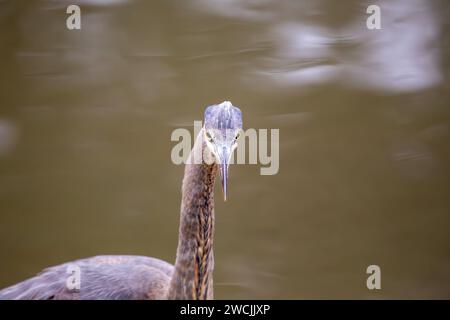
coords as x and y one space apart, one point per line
192 277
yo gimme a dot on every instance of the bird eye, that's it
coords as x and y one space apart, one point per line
238 135
208 136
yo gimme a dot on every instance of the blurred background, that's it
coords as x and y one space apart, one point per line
364 119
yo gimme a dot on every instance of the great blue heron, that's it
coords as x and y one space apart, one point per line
137 277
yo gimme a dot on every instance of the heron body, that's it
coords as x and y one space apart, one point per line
137 277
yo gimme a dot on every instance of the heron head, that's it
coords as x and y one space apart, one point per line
222 129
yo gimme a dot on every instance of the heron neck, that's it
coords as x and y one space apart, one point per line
192 277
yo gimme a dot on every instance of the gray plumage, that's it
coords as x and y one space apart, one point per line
101 278
137 277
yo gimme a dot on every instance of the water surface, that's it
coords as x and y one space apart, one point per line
86 118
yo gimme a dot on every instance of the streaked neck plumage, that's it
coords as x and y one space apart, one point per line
193 273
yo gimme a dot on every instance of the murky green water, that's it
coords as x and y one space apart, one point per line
364 119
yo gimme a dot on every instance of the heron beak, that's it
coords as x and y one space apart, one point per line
224 172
